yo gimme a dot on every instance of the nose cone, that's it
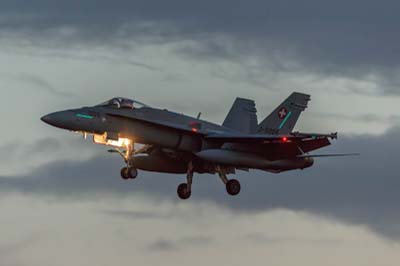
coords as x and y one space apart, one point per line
62 119
47 119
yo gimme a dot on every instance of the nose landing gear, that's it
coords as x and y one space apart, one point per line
129 173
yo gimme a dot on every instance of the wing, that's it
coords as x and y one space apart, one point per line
262 138
273 147
158 123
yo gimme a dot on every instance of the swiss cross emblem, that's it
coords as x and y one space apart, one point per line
282 113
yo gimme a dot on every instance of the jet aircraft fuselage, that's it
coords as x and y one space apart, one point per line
177 143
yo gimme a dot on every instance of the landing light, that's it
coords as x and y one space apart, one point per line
102 139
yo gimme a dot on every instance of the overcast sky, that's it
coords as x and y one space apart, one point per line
62 200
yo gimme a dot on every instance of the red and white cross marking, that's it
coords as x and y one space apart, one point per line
282 113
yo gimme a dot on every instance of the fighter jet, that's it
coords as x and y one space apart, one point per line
171 142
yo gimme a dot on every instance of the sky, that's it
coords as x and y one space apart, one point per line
61 197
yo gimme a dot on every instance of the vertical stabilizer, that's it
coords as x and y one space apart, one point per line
283 119
242 116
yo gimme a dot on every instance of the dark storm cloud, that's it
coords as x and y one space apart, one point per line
361 33
361 190
17 149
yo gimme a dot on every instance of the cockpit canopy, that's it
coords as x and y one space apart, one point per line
122 103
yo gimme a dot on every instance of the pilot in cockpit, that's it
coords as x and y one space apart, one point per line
123 103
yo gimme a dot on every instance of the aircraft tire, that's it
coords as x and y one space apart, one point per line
233 187
124 173
132 173
183 191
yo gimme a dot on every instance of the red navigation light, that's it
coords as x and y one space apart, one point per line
284 139
195 126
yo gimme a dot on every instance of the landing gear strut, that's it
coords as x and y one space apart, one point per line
185 189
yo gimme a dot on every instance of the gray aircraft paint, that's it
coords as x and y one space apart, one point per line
176 143
283 119
242 116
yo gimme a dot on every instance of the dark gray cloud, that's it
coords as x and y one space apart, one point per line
17 149
43 146
355 33
361 190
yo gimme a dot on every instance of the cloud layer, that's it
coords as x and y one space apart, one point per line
339 37
360 190
175 54
72 233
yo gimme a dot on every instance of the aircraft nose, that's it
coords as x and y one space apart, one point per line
63 119
47 119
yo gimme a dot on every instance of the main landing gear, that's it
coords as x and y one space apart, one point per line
232 185
185 189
